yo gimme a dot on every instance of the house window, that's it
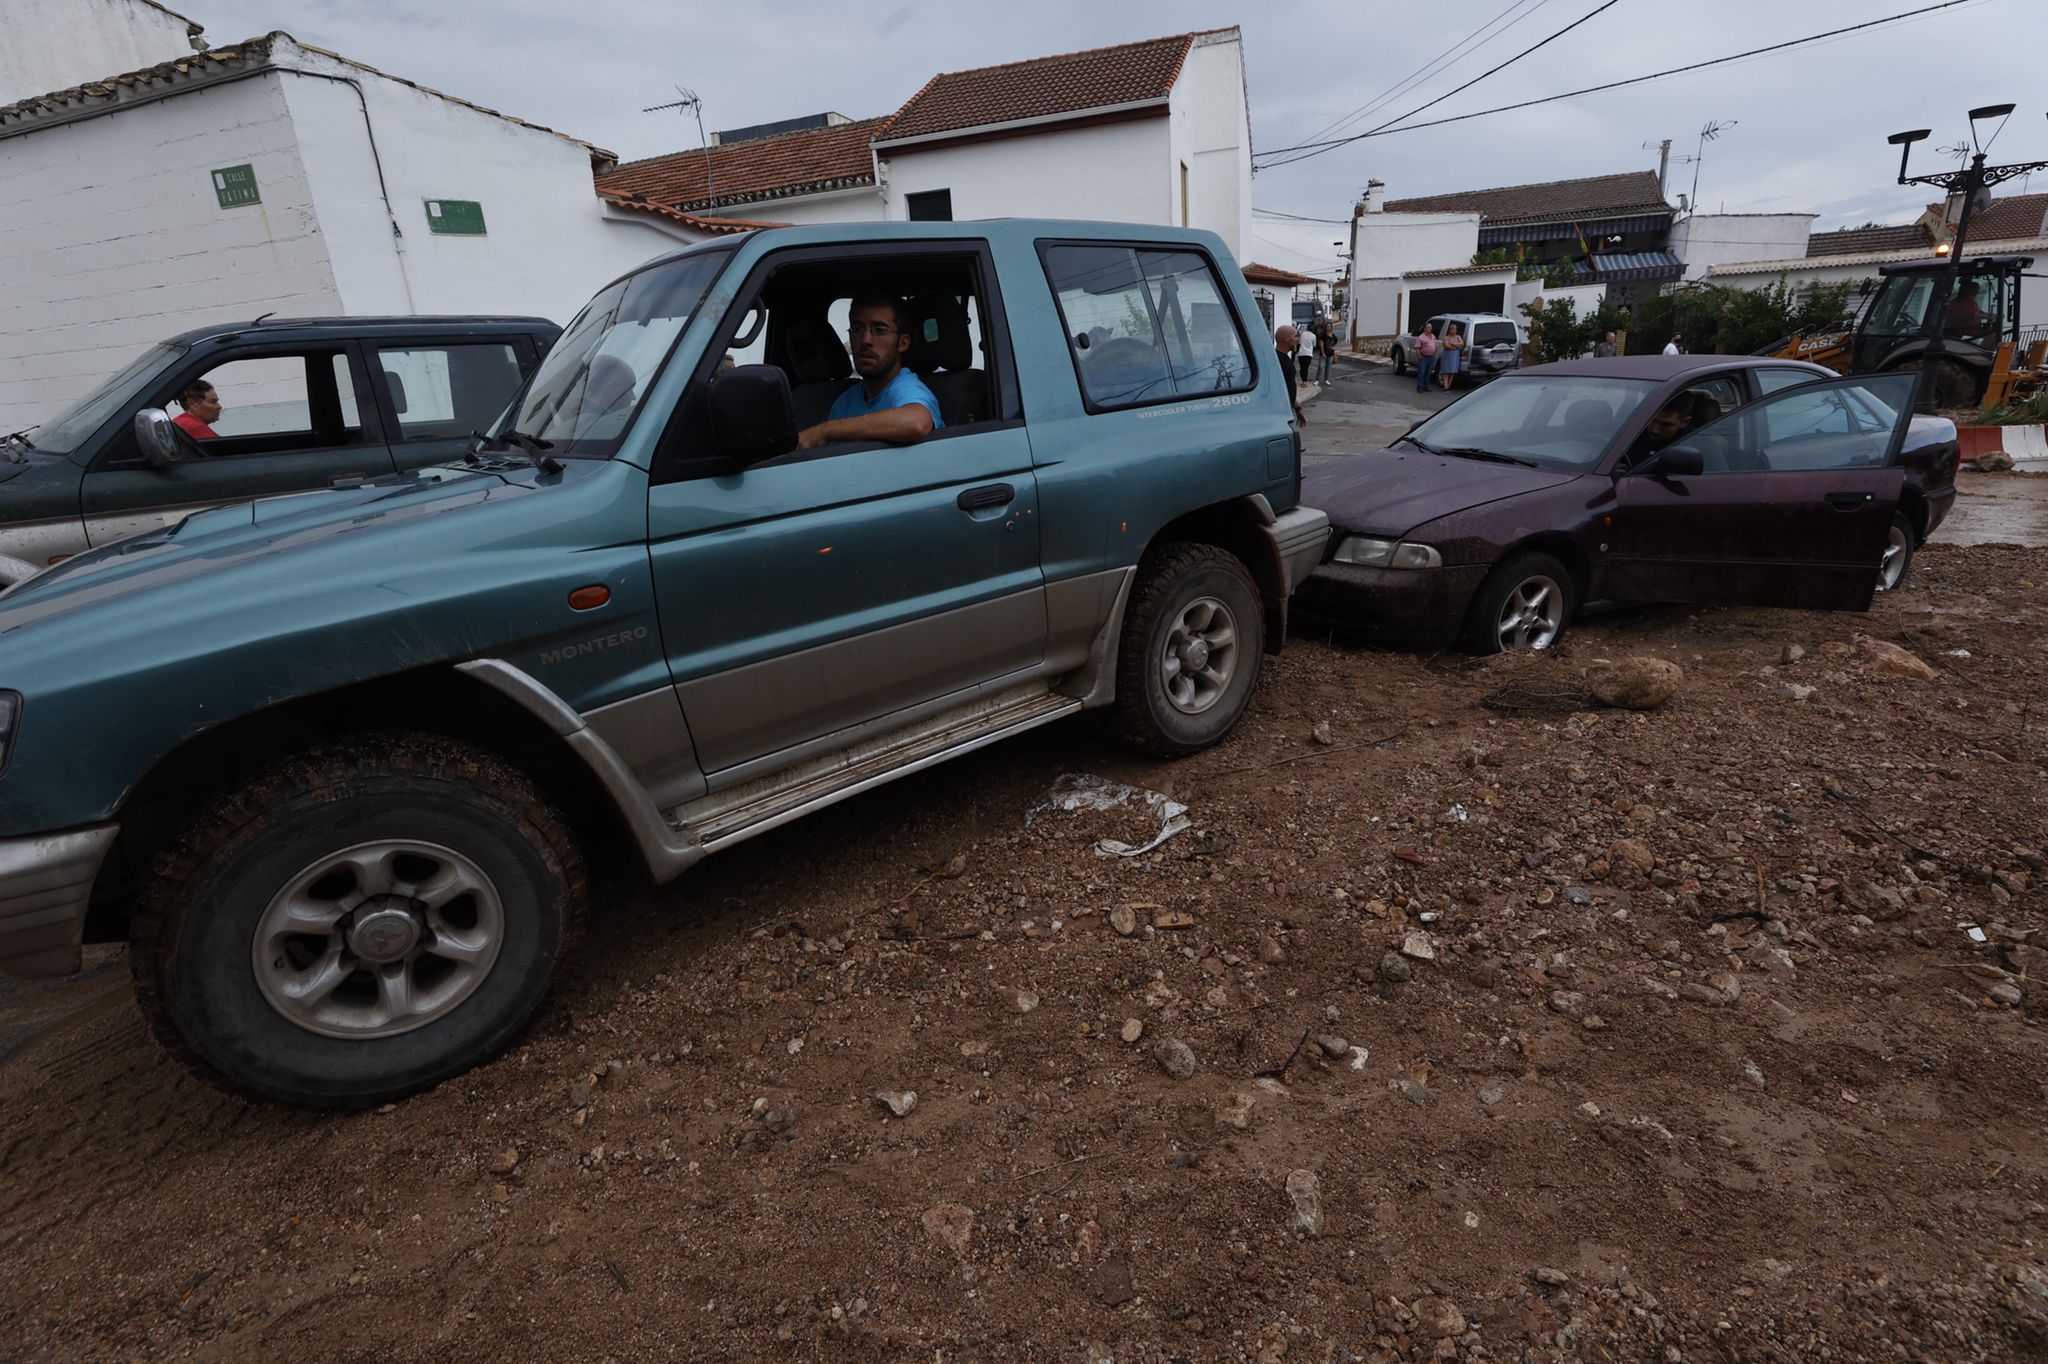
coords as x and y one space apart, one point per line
930 206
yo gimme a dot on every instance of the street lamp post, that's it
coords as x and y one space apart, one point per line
1972 181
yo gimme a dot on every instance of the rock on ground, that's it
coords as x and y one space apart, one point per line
1635 683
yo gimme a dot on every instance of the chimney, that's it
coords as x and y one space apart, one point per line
1375 196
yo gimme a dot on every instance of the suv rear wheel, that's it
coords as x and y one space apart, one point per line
1400 361
1190 654
358 923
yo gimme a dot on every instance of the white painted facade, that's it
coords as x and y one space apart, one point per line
1705 240
1115 172
1391 244
1376 311
1186 161
111 236
50 45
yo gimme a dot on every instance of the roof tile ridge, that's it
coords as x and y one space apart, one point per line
1059 57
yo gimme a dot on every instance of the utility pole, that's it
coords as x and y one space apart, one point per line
689 100
1351 270
1973 181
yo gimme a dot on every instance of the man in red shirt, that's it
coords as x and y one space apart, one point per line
202 408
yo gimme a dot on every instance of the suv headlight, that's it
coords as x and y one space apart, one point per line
10 715
1367 552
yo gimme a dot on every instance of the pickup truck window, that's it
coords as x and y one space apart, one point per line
584 395
67 432
443 391
1146 325
280 402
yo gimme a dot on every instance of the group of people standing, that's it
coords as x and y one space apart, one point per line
1318 352
1439 358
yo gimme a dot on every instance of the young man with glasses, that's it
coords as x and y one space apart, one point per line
889 403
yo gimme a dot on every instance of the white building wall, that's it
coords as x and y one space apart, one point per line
1708 239
1113 172
111 237
1376 311
49 45
1393 243
548 243
1214 137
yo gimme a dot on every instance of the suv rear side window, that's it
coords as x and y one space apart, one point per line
1147 324
449 390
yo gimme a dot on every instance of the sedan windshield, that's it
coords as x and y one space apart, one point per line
1555 421
65 433
584 395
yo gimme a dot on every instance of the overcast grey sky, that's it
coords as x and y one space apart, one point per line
1809 126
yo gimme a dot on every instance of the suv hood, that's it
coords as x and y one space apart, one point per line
1391 492
213 541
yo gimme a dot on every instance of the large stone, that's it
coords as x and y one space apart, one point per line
1637 683
1305 1191
1992 461
1439 1317
1174 1057
1887 659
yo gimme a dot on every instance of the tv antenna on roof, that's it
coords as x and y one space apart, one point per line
690 100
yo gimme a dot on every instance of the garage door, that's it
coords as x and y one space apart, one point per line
1424 304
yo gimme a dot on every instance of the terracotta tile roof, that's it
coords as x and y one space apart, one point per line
1551 201
1256 273
1070 83
715 226
1857 241
111 88
2014 215
810 161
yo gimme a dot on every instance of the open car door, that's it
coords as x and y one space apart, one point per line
1792 506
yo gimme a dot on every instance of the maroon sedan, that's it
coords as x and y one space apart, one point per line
1726 480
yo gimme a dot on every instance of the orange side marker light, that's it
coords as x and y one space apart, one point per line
591 597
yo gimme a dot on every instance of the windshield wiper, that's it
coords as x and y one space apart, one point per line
535 447
1475 452
1423 446
12 439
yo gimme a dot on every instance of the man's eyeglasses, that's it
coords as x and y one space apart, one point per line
878 330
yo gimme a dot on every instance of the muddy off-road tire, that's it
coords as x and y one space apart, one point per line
1191 650
1898 554
357 923
1525 603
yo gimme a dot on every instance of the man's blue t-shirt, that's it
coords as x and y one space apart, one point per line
903 390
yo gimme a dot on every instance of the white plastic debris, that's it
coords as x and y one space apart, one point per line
1976 934
1960 653
1084 791
1457 812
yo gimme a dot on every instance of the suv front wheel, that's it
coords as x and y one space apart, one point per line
1191 650
358 923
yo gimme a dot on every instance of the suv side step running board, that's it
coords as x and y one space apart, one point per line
727 817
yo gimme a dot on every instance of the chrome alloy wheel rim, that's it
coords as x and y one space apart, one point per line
1200 656
1892 566
1532 614
378 939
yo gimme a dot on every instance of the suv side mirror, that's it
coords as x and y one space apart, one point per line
157 437
1673 461
752 415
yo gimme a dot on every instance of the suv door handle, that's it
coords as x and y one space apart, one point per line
987 495
1848 501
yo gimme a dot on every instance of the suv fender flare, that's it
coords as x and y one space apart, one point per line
668 851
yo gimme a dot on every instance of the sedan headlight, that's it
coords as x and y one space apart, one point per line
10 714
1367 552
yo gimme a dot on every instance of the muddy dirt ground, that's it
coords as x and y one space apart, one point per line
1703 1033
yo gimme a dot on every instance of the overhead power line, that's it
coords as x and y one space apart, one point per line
1479 37
1308 149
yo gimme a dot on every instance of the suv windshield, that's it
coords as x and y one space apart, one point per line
66 433
583 396
1553 420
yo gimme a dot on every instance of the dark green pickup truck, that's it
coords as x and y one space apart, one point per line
304 402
